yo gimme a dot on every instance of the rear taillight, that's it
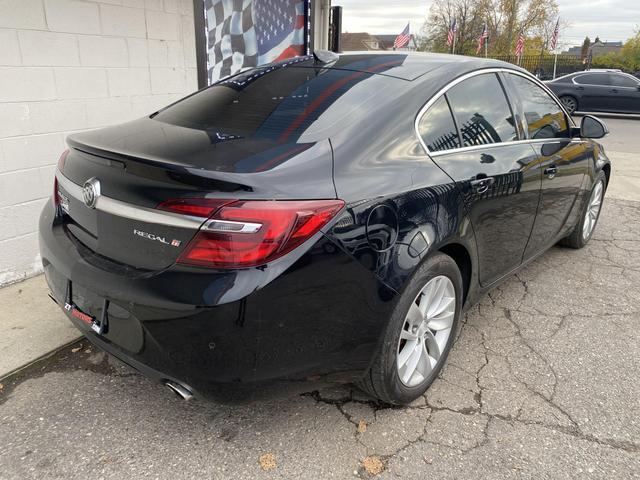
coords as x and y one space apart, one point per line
249 233
56 198
62 159
195 207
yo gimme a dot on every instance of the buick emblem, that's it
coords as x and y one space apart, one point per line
91 192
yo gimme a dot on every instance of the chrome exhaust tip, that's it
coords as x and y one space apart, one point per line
180 390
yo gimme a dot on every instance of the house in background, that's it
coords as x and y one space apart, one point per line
386 42
602 48
597 48
359 41
364 41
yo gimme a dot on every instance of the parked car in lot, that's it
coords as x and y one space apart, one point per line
598 91
327 216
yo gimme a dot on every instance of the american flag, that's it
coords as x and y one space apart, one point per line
520 44
402 40
554 37
483 37
248 33
452 32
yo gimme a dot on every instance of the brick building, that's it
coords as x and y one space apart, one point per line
69 65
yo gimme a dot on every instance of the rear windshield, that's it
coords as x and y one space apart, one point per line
277 103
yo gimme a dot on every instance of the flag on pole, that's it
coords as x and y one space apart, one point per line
482 38
452 32
520 44
402 40
554 37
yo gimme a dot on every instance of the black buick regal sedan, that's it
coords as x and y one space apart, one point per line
327 217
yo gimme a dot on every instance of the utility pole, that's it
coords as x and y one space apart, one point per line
511 23
542 49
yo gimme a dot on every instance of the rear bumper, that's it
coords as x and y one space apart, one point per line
225 333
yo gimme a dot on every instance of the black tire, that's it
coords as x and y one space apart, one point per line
570 103
576 239
382 379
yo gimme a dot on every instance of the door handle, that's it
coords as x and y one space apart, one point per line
551 171
481 185
614 90
579 88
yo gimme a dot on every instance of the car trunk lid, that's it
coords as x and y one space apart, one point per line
141 164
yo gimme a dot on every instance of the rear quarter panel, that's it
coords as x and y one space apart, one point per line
401 207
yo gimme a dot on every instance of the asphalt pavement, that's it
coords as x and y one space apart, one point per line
542 383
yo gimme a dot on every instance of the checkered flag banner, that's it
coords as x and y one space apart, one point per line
248 33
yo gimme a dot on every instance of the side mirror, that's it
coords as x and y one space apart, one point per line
592 127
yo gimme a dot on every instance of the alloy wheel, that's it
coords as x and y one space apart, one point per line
569 103
593 210
426 330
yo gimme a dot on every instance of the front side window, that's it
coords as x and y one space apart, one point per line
482 111
437 128
593 79
622 81
544 117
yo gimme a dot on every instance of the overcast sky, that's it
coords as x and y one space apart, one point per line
609 19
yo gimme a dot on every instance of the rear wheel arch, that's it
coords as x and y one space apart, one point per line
381 379
606 168
460 254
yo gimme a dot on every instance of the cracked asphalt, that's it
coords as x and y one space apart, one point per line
542 382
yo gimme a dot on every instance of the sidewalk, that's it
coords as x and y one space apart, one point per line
625 176
31 325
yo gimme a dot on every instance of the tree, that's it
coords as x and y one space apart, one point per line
545 32
584 52
505 19
468 23
631 50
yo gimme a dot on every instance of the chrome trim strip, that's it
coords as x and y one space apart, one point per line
501 144
229 226
132 212
72 189
464 77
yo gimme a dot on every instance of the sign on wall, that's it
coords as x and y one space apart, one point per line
248 33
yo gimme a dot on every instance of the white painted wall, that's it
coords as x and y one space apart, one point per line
70 65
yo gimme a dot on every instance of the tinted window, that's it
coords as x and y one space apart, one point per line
279 104
622 81
544 118
593 79
481 110
437 128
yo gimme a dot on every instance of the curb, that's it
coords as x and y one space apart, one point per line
45 356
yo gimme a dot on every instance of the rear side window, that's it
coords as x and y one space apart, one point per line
544 118
437 128
482 111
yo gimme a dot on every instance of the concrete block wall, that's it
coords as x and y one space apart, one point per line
71 65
